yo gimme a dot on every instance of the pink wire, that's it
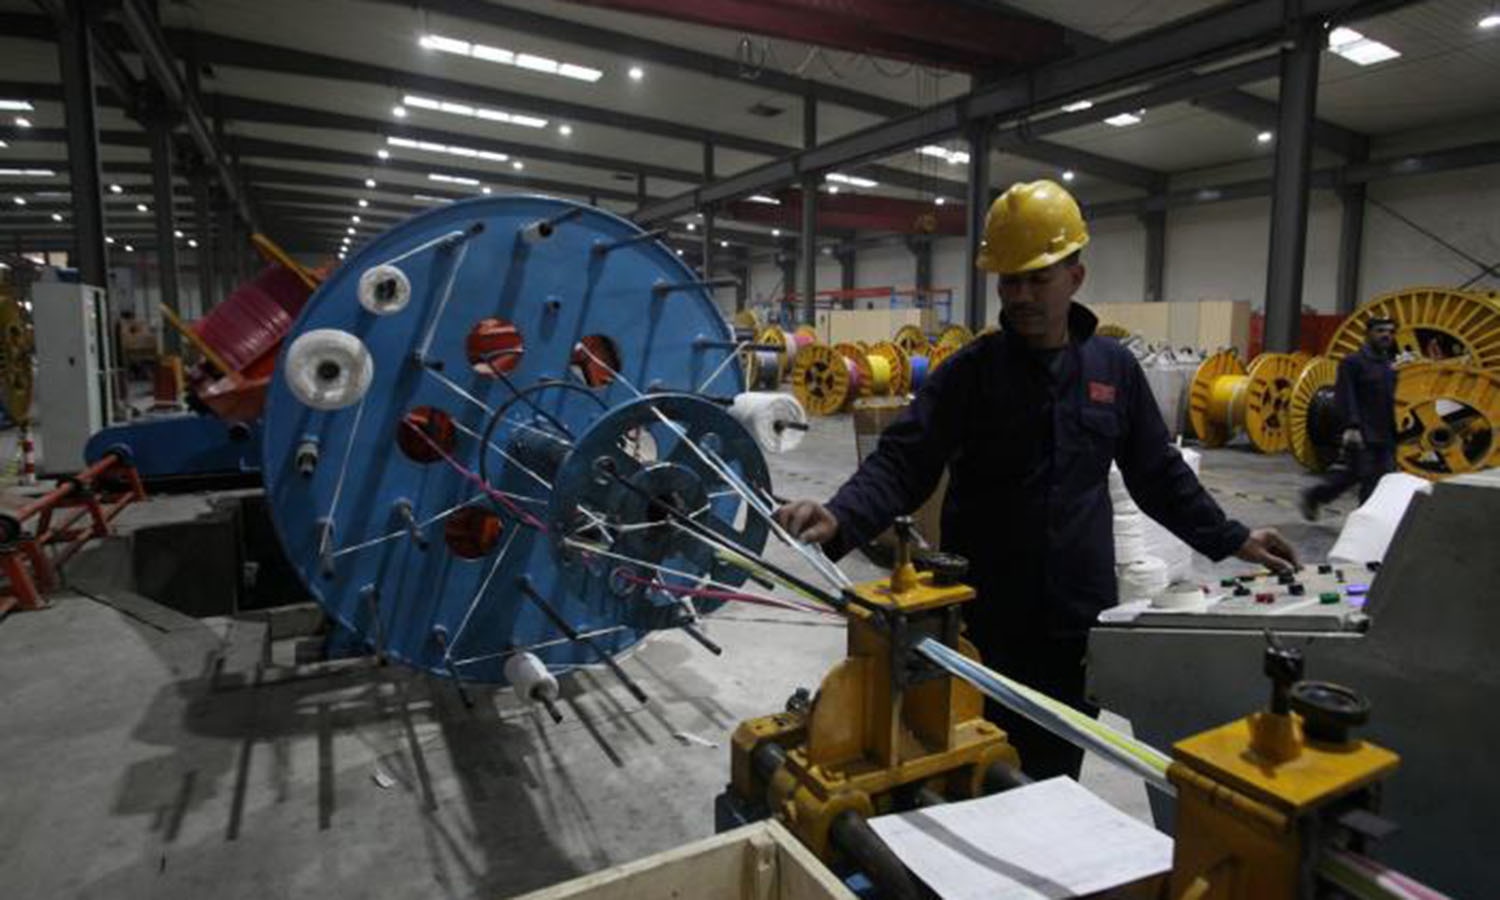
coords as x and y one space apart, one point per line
500 497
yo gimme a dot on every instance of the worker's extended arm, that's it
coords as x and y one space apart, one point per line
909 460
1162 484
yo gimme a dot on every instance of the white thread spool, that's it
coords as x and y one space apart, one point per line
1179 595
1142 579
329 369
529 676
384 290
761 412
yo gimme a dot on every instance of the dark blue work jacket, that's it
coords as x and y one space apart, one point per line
1365 393
1028 440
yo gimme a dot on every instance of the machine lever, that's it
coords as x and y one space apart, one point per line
571 633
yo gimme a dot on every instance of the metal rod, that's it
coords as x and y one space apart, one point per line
413 527
1057 717
693 632
731 345
524 582
707 284
599 249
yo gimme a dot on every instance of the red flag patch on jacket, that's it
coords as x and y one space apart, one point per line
1099 392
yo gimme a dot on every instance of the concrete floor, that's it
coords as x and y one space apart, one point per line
130 766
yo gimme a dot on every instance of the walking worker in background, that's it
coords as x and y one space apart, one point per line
1365 395
1027 421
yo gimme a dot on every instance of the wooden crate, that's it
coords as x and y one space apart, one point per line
762 861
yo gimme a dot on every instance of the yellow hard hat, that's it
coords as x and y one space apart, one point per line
1031 226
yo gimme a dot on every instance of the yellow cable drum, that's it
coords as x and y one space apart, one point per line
1314 422
1434 323
1111 330
1225 398
825 381
17 352
1447 419
955 336
898 381
912 340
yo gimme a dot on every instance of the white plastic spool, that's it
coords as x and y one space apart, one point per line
1142 579
384 290
761 411
529 676
1180 595
329 369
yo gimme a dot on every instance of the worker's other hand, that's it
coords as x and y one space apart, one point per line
1352 438
808 521
1267 547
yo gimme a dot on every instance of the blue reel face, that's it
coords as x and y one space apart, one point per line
433 435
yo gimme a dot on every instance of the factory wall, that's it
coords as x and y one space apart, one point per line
1219 251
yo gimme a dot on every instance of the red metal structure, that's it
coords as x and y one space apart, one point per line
37 539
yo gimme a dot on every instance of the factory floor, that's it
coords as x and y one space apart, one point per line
139 759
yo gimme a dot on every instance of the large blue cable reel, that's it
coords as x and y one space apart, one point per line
507 395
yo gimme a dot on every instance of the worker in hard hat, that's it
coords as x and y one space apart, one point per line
1365 395
1027 422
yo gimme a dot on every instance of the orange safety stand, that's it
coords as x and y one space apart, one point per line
30 560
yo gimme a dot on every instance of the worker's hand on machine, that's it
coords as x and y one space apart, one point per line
808 521
1353 439
1267 547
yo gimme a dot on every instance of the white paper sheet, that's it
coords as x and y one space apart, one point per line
1045 840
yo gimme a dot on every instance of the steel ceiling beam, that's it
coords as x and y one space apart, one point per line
1218 33
514 18
1065 157
1262 115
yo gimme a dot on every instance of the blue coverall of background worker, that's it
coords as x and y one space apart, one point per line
1027 421
1365 395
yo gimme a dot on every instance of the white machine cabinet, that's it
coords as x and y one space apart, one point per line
74 362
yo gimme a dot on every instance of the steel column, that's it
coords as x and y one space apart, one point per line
808 239
921 250
708 213
1351 245
846 268
1156 254
787 260
203 227
76 62
976 305
160 130
1289 191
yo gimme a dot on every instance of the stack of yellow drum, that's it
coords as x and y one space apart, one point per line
1447 383
827 380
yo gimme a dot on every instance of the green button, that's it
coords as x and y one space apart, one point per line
1328 597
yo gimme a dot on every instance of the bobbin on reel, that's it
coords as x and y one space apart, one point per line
1225 397
1315 426
541 460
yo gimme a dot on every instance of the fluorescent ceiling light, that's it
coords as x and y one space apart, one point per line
354 219
939 201
851 180
1358 49
23 122
723 243
20 201
129 248
1078 106
473 112
451 150
351 230
1490 21
29 173
57 217
363 203
108 239
565 130
1264 137
383 153
430 199
501 56
692 227
517 165
116 189
3 145
399 112
954 157
775 232
177 233
18 105
762 198
485 189
141 207
1069 175
1124 119
369 182
636 73
453 179
833 189
193 242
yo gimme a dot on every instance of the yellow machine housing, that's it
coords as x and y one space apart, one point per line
877 725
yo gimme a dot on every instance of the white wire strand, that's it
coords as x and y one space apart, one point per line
478 595
437 317
450 236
